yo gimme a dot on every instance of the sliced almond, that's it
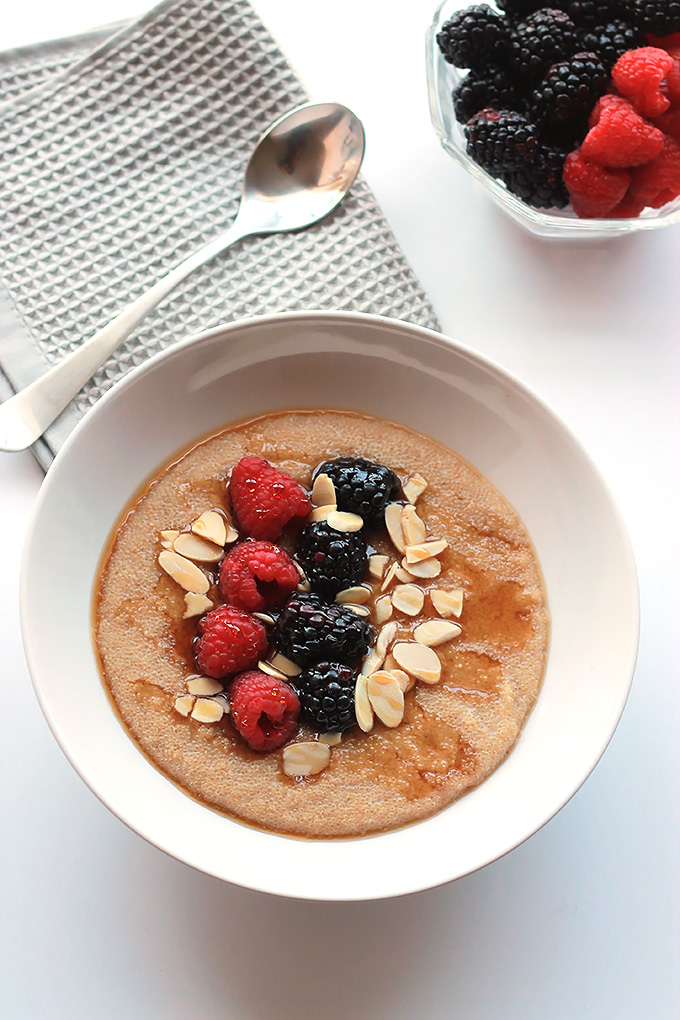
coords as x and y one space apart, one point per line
436 632
383 608
412 526
232 534
415 487
393 525
286 666
305 758
332 739
341 521
383 675
195 548
389 577
406 682
430 567
204 686
265 618
372 661
419 660
447 603
304 584
207 711
362 706
168 537
385 638
358 610
184 704
266 667
323 491
358 595
182 570
322 513
212 527
424 550
196 605
377 565
403 575
386 697
408 598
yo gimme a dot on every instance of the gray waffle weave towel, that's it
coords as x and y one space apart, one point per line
130 155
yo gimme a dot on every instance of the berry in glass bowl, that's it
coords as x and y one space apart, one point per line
531 119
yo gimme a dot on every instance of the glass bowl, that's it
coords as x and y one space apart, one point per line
441 80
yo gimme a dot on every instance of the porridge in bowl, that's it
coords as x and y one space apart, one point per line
322 624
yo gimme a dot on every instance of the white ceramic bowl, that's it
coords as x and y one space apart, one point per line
431 384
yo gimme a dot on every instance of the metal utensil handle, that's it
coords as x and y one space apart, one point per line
26 415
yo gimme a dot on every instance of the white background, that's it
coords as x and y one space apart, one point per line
581 921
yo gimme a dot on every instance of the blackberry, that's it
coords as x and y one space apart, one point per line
361 487
474 37
476 91
563 101
310 630
540 183
501 141
332 560
326 693
612 40
520 8
658 17
541 40
587 13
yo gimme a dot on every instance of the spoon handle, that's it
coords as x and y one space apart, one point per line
26 415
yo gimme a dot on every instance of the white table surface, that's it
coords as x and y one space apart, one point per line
580 921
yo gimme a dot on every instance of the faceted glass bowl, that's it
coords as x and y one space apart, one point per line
442 78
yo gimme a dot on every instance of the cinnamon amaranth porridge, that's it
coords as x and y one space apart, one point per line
404 695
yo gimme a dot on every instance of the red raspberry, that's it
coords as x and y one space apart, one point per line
264 500
628 208
669 123
231 640
594 190
673 78
263 710
618 136
638 75
658 182
257 574
664 42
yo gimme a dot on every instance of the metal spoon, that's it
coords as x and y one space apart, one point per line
300 169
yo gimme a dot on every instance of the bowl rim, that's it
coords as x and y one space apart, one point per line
539 222
415 333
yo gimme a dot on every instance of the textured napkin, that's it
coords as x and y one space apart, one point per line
120 153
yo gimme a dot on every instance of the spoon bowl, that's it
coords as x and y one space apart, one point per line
302 167
300 170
